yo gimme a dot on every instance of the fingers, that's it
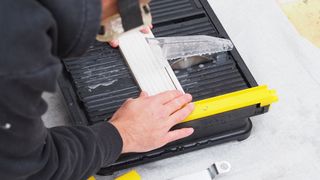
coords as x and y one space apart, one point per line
128 100
178 134
114 43
178 103
143 94
146 30
181 114
167 96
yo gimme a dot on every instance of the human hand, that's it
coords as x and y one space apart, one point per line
110 8
144 123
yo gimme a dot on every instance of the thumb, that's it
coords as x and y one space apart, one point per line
178 134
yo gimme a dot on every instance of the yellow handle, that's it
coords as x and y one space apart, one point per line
257 95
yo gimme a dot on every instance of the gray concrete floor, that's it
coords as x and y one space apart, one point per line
57 113
285 143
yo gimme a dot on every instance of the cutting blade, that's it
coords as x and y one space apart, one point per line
189 46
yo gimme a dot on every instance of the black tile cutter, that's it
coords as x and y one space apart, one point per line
97 83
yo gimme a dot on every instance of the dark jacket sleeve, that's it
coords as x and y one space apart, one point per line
33 33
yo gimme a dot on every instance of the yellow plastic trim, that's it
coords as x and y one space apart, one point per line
132 175
92 178
259 95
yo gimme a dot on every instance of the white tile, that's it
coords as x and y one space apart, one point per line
152 72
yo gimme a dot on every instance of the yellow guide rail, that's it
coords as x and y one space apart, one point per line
132 175
257 95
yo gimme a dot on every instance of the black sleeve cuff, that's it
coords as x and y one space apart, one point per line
110 141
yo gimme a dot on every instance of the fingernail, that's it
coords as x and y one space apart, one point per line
145 30
144 94
190 130
189 96
113 44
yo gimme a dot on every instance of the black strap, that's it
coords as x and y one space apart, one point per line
130 14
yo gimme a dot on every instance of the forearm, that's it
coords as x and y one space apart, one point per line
29 150
29 67
79 152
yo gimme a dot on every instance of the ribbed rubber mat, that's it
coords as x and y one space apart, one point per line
168 10
103 80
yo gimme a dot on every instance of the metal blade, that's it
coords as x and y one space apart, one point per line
184 63
189 46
